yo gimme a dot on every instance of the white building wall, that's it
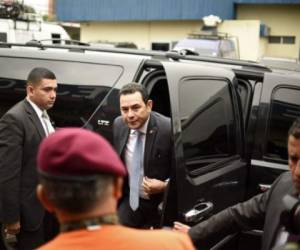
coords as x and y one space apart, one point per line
140 33
143 34
247 35
283 20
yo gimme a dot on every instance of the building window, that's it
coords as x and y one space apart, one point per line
160 46
3 37
274 39
288 39
282 39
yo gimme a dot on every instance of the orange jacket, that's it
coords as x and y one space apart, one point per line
112 237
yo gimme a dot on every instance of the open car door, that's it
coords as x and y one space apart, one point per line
209 173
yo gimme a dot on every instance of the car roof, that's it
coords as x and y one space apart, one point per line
281 63
92 54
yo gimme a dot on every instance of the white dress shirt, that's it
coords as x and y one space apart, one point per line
39 113
129 148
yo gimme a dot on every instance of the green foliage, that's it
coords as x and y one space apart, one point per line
28 9
49 18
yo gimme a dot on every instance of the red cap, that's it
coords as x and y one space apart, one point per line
72 152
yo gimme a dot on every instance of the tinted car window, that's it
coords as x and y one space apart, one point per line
3 37
11 91
81 87
285 108
208 129
74 103
67 72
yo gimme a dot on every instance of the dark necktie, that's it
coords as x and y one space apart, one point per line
135 173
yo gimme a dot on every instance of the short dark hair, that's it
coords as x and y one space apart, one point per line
133 87
37 74
295 129
73 196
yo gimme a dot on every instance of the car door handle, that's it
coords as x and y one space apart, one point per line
198 212
264 187
226 184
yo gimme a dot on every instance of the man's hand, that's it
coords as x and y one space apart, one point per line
153 186
13 228
180 227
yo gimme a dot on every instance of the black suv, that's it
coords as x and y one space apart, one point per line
230 118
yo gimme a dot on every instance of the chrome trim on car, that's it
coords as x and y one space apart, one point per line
269 164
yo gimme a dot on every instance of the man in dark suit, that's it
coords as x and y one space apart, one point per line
143 140
21 130
261 211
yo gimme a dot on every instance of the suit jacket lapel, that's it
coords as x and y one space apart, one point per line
34 118
149 142
124 134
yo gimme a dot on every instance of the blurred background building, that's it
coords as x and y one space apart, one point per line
262 27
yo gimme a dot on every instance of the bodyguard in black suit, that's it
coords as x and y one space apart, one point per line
21 130
156 151
262 211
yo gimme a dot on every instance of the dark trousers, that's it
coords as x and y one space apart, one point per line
2 241
145 216
28 240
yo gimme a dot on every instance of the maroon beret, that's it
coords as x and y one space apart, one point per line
72 152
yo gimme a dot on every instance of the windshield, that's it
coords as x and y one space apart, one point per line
204 47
